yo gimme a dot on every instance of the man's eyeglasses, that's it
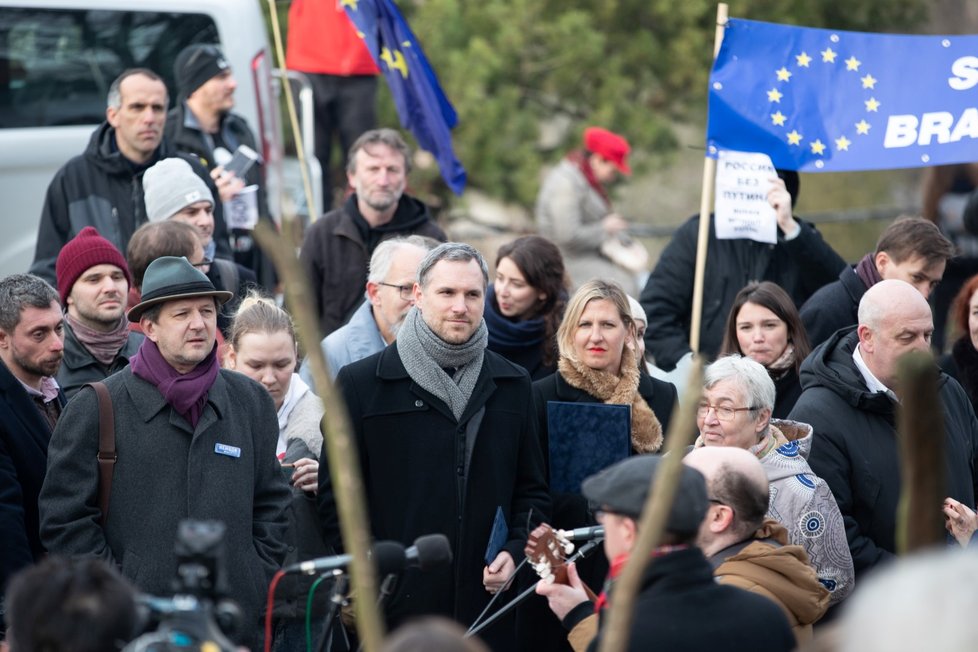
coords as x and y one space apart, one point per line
406 291
202 264
724 412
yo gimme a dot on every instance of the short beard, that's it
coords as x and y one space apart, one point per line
49 369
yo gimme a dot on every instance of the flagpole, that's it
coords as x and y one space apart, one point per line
706 207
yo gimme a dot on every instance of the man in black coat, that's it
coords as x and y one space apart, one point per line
800 262
679 605
31 349
911 249
447 443
850 393
103 187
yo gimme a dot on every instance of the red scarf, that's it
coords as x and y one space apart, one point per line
618 564
580 159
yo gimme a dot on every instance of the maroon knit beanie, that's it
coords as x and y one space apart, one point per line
85 250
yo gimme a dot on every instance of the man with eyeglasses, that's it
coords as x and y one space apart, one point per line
735 410
390 295
338 246
679 605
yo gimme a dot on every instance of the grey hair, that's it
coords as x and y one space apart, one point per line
750 376
19 291
384 136
871 311
114 98
455 252
383 256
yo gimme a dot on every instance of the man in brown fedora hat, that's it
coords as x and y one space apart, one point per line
193 441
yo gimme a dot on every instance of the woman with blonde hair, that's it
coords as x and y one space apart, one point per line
261 345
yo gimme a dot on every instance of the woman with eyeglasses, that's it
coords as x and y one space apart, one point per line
525 303
764 325
735 410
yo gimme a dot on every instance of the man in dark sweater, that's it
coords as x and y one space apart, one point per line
337 248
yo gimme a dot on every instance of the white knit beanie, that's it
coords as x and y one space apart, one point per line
171 185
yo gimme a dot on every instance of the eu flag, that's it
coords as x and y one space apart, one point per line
421 104
820 100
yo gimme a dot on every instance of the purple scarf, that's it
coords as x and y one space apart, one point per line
186 393
867 272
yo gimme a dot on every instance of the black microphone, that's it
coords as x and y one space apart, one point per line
429 551
583 533
390 557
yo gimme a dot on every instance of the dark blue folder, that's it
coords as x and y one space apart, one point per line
585 438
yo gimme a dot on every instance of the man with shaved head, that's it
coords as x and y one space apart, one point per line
850 393
747 550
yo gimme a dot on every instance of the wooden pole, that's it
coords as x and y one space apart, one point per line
652 525
293 116
920 432
706 207
344 464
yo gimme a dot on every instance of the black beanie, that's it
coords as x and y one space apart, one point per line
196 65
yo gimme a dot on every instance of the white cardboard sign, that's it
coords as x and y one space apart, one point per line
741 209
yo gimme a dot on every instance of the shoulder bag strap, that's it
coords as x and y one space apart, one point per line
106 447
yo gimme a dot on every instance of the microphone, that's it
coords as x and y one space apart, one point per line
429 551
390 557
583 533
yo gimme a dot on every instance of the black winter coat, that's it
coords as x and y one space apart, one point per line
412 456
855 447
79 366
24 438
681 607
335 255
800 266
833 307
787 389
102 188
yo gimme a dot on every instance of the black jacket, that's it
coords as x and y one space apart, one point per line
335 255
855 448
800 266
102 188
833 307
787 389
24 437
235 130
79 366
681 607
412 456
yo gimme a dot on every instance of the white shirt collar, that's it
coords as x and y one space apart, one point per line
873 383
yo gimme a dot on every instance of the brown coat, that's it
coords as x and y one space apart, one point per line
780 573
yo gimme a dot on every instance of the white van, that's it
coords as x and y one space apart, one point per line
57 60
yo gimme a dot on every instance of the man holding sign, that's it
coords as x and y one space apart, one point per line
797 259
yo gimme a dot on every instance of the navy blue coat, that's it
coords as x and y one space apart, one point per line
24 437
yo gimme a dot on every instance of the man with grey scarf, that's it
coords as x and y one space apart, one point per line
447 443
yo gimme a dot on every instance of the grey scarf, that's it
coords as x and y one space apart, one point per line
426 356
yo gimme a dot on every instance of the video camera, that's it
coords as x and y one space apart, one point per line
198 614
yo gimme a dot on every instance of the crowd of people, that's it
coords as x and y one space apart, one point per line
149 376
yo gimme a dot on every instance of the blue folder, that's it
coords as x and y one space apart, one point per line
585 438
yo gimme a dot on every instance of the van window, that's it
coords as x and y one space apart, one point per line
56 65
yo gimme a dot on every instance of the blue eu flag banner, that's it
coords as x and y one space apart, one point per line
819 100
421 104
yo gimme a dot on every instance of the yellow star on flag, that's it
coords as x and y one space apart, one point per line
349 3
774 95
794 137
818 147
778 118
395 61
852 63
868 81
862 127
842 144
803 59
783 74
828 55
872 104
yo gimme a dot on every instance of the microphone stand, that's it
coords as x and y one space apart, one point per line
335 603
386 589
582 552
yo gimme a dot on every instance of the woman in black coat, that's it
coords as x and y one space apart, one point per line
962 362
764 326
525 303
597 364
